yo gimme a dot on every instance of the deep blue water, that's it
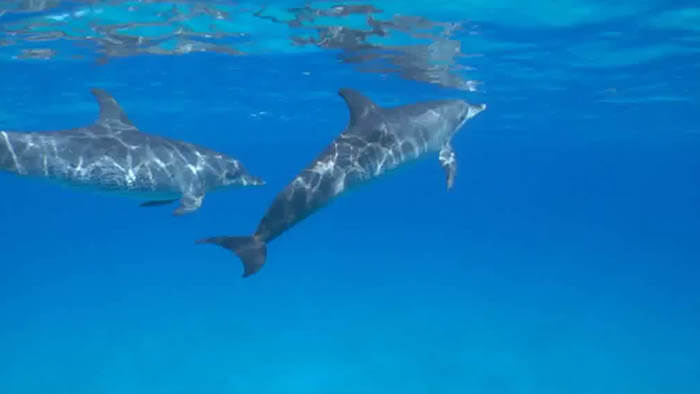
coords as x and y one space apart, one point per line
564 260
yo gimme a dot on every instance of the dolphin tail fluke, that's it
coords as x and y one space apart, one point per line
250 250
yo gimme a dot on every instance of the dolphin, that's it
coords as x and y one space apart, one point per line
375 141
113 155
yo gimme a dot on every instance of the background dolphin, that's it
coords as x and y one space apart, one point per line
375 141
113 155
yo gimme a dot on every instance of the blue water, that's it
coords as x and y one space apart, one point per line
564 260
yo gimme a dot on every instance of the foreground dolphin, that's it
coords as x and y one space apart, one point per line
376 140
113 155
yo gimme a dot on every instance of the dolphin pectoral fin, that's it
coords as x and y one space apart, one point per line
189 203
156 203
448 161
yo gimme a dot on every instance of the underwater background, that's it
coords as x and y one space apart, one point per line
564 260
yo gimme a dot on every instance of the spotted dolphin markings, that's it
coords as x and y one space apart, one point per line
113 155
375 141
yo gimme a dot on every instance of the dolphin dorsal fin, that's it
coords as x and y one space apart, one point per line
359 106
111 114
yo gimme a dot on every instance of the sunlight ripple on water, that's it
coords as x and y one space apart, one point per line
413 47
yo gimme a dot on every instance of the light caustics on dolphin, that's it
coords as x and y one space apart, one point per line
113 155
375 141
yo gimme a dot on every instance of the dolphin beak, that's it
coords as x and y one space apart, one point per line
256 181
475 110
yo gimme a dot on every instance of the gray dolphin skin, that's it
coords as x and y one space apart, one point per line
375 141
113 155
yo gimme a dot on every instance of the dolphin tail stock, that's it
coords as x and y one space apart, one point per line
250 250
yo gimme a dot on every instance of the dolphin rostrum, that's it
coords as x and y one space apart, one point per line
375 141
113 155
